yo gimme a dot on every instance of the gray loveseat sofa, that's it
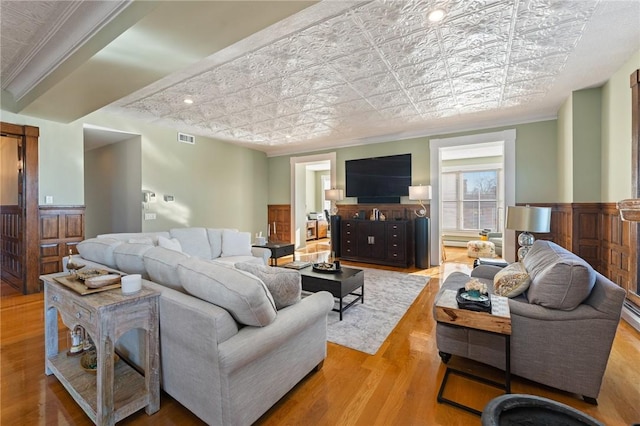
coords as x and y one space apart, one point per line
227 355
562 327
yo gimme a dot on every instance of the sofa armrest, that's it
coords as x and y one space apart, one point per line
253 342
261 252
485 271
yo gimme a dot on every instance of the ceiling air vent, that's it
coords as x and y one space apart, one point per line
185 138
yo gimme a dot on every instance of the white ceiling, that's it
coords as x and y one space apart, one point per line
342 73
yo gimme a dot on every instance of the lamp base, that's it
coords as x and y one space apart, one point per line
525 240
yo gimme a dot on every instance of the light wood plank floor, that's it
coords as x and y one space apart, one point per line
397 386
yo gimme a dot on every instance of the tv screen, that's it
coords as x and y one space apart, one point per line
378 177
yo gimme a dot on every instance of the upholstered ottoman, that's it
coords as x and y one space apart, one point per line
477 248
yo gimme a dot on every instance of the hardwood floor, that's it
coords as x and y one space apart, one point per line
397 386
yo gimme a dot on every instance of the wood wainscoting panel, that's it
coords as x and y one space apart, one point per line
61 229
10 235
617 254
587 228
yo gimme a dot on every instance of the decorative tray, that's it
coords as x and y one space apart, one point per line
78 285
327 268
480 303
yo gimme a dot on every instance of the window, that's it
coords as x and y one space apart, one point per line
470 200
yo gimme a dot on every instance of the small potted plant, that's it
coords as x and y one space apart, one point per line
475 288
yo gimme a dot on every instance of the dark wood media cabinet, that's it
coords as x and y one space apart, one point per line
388 242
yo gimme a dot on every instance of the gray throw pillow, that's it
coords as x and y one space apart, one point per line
241 293
283 284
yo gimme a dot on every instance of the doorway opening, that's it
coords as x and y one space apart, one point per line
473 179
307 191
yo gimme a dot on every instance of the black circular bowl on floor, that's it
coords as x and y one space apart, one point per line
526 410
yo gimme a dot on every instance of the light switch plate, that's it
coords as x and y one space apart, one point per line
48 199
149 216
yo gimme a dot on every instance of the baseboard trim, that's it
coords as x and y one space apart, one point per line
631 317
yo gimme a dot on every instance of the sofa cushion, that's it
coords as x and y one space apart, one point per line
170 244
559 278
232 260
194 241
129 257
162 266
283 284
236 243
511 281
242 294
99 250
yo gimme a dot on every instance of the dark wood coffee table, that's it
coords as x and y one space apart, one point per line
340 284
277 250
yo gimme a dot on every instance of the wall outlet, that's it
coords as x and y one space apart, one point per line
149 216
48 199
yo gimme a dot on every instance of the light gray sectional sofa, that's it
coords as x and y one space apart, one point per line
228 351
563 326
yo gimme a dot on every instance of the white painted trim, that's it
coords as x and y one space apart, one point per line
631 318
293 161
509 139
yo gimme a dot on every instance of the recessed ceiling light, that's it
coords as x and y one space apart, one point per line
436 15
188 101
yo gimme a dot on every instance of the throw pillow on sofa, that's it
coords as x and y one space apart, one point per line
129 257
194 241
283 284
245 297
170 244
511 281
236 243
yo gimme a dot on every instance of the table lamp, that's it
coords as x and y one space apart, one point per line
419 193
528 219
334 195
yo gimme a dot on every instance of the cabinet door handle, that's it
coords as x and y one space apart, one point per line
371 239
55 298
78 315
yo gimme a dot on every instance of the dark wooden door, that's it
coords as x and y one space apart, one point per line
19 225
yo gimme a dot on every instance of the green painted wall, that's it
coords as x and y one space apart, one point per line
214 183
536 159
565 151
60 159
587 111
616 133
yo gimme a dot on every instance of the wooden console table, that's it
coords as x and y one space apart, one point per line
114 391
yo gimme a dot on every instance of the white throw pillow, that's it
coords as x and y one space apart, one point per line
236 243
511 281
171 244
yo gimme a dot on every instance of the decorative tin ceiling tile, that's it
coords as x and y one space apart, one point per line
379 65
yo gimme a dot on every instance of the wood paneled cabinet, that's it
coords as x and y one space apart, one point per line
382 242
279 223
61 229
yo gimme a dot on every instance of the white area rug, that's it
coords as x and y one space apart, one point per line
387 296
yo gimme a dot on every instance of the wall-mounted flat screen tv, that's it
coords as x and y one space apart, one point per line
378 177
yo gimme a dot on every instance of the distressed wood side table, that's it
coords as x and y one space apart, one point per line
116 390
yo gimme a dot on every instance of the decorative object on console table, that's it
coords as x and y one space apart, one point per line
420 193
423 260
334 195
528 219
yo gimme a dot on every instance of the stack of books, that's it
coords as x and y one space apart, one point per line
298 264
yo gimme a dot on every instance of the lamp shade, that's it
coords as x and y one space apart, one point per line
529 219
420 192
334 194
